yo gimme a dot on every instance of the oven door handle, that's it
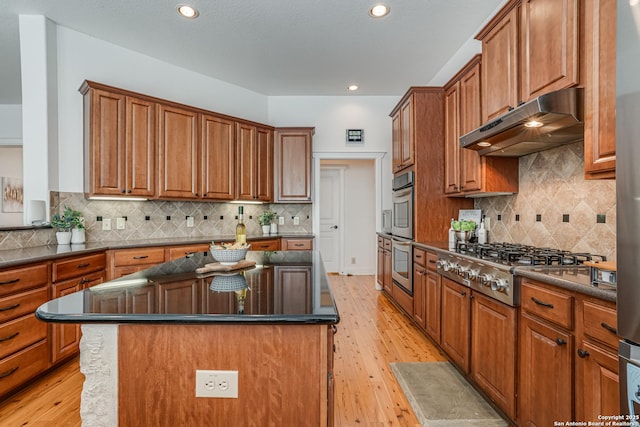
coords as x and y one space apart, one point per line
395 242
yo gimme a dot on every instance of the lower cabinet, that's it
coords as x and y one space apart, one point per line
419 286
454 338
292 290
384 263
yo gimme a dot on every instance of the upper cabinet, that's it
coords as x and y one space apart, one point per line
600 92
403 134
293 149
465 171
254 163
218 142
119 144
549 46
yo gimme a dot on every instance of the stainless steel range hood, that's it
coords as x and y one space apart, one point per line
560 121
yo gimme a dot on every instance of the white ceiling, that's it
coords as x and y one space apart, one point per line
273 47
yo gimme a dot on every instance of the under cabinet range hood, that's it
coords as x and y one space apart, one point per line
548 121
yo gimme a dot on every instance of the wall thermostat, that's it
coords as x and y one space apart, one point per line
355 136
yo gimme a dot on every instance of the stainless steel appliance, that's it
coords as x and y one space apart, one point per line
402 217
402 263
488 268
628 202
387 217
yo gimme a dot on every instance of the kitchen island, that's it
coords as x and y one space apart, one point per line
146 334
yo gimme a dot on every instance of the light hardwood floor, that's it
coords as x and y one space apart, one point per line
371 334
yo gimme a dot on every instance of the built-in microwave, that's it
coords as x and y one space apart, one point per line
402 216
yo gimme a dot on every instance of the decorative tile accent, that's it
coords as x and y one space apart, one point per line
552 184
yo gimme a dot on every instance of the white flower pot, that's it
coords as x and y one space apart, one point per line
265 229
274 228
77 235
63 237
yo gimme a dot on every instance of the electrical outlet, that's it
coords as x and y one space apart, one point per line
296 220
487 224
280 220
217 384
120 223
189 221
106 224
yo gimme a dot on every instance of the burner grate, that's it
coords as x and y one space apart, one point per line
524 255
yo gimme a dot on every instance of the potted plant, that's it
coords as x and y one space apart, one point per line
265 219
63 224
78 234
70 226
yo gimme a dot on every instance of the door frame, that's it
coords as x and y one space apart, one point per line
315 194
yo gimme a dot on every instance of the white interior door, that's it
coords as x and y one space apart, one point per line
331 232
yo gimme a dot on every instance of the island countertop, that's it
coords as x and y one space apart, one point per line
285 287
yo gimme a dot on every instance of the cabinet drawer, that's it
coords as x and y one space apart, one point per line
20 367
19 333
548 304
600 323
380 242
265 245
23 303
73 267
432 260
297 244
138 256
184 251
419 257
19 279
83 282
387 244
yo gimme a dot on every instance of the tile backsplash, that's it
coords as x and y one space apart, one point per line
158 219
555 206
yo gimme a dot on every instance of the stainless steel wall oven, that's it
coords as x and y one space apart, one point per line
403 206
401 260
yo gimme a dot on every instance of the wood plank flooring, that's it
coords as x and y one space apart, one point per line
371 334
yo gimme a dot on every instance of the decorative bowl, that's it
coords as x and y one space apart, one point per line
229 256
228 283
463 236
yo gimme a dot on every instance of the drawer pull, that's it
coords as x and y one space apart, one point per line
84 280
431 261
583 353
141 256
11 307
9 372
542 303
298 244
86 264
10 337
335 329
609 328
463 293
8 282
561 341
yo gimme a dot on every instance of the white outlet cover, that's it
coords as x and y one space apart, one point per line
106 224
217 384
120 223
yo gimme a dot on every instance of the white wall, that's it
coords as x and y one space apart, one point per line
10 124
81 57
332 116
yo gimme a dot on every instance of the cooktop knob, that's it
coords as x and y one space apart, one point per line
473 273
486 278
500 285
462 270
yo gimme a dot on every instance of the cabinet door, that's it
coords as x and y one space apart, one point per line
218 141
293 165
407 136
396 130
387 281
260 300
140 142
455 323
546 379
292 290
245 160
65 338
419 285
500 67
469 119
142 300
433 297
597 388
380 267
600 89
493 338
178 153
105 153
179 297
550 41
264 164
452 135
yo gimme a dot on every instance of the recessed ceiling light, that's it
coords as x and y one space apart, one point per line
353 87
379 10
187 11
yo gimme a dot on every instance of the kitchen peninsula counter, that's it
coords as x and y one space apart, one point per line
146 334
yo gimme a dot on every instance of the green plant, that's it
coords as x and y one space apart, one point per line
266 217
69 219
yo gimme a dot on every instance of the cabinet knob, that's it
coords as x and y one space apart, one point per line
123 191
583 353
561 341
129 191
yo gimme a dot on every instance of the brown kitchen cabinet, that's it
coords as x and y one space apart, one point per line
419 286
403 134
292 164
466 172
218 156
176 252
454 329
494 338
296 244
433 299
600 89
24 349
71 275
384 263
178 296
178 152
127 261
254 160
292 290
261 298
265 245
120 142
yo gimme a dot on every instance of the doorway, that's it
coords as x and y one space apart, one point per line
346 210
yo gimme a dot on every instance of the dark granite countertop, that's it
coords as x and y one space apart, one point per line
13 257
285 287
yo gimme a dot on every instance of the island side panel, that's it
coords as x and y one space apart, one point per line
282 374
